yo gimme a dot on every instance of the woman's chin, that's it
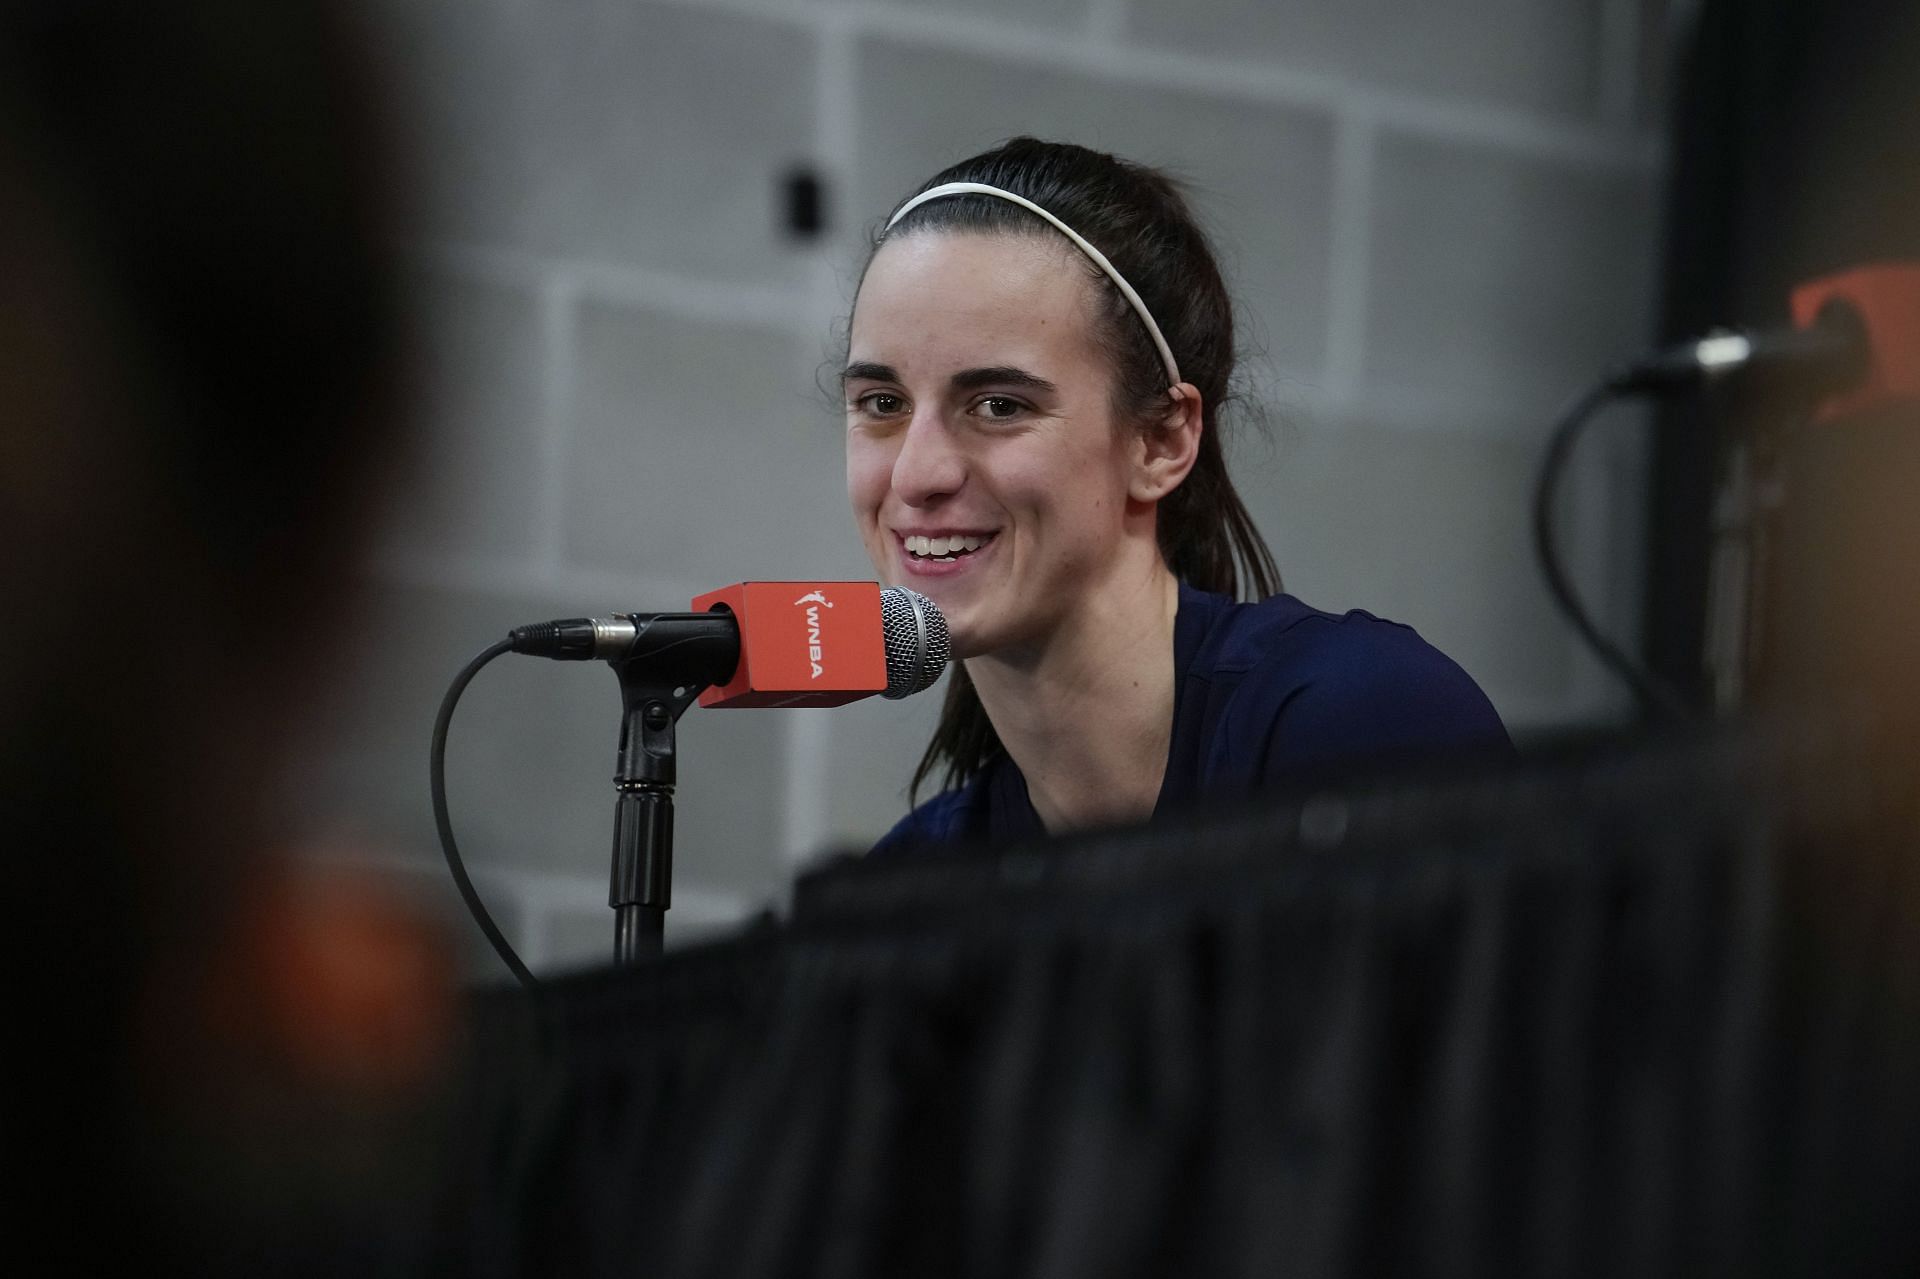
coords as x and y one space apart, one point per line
964 635
970 629
961 642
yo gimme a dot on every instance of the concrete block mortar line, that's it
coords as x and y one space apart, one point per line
805 778
836 101
1428 411
1599 144
1301 404
544 897
592 590
537 899
714 301
836 148
719 301
558 308
543 892
1349 266
806 740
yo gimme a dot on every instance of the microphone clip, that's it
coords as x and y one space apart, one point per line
641 884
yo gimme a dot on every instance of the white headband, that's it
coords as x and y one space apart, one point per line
1099 258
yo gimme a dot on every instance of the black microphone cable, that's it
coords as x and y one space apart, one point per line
1656 699
444 823
1827 356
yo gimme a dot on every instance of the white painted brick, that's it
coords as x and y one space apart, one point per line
1502 278
472 477
645 134
1261 173
1541 55
705 452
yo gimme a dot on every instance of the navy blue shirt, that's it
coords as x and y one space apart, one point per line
1262 693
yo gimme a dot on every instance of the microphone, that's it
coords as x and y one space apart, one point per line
769 644
1828 348
1854 344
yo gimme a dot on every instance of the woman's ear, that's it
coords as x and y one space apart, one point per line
1167 448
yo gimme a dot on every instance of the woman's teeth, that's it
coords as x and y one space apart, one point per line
944 548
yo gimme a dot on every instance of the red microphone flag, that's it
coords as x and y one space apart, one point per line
801 643
1887 297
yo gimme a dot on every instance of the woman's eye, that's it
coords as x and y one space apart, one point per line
999 407
879 403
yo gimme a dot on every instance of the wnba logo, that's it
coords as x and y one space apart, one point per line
815 601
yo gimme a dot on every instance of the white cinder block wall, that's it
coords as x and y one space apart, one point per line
1439 217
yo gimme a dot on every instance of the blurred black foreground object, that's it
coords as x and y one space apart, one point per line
1651 1012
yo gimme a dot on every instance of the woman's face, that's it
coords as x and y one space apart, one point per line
983 461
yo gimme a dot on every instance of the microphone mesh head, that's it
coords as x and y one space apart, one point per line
917 645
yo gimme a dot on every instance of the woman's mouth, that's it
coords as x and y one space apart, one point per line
943 555
944 550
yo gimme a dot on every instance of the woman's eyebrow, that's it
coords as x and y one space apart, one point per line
864 371
999 375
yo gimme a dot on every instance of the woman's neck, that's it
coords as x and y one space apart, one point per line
1089 716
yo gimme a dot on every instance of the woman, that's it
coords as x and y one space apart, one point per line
1039 350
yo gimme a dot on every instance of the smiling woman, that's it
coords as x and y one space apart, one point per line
1038 354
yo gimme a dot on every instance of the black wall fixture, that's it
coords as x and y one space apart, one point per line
803 204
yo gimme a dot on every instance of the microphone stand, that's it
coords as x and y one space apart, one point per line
645 772
664 661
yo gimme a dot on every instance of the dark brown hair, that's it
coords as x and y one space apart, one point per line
1137 217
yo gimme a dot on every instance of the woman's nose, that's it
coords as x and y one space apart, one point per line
928 466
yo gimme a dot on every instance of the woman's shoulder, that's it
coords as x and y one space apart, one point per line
1284 633
1283 628
953 816
1314 684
